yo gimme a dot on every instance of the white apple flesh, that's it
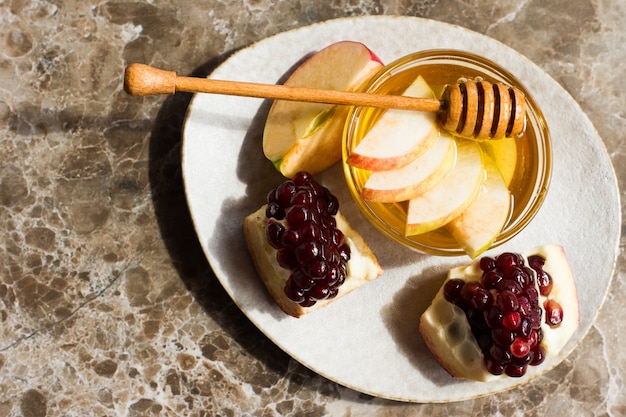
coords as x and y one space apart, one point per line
307 136
478 226
451 196
399 136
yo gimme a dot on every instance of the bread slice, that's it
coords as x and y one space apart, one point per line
363 265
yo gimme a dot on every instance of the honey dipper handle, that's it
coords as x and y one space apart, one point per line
143 80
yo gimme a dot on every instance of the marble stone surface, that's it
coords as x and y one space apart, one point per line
107 304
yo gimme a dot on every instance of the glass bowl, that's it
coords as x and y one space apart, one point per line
528 177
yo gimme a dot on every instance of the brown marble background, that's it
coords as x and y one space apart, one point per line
107 305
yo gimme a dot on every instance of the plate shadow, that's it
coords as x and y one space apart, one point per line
178 232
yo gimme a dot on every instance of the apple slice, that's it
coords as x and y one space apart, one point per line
307 136
415 178
451 196
481 223
399 136
503 152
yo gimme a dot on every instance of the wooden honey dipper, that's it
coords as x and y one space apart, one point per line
472 109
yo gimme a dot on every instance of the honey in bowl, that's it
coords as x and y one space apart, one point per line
524 162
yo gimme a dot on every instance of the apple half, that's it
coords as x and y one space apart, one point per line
307 136
399 136
451 196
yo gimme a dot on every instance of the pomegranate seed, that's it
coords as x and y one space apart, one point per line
520 276
302 178
297 216
320 292
493 317
333 204
525 327
530 273
524 307
535 317
337 237
538 355
507 261
500 354
293 292
491 279
532 338
481 299
274 232
310 245
493 366
332 276
308 302
286 258
468 290
303 198
545 283
487 264
515 371
509 285
507 301
523 361
333 291
301 280
532 294
274 210
536 262
344 252
307 251
316 269
503 337
321 205
554 313
271 196
284 193
290 238
520 347
512 320
310 231
452 289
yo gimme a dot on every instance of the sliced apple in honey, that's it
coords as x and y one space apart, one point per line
451 196
413 179
399 136
307 136
503 152
481 223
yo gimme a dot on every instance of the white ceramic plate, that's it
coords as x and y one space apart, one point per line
369 340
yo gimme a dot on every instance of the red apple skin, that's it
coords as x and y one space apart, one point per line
394 162
414 179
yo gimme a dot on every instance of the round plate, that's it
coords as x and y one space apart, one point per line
369 340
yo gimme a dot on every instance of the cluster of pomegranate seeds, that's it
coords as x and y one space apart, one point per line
504 313
302 228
